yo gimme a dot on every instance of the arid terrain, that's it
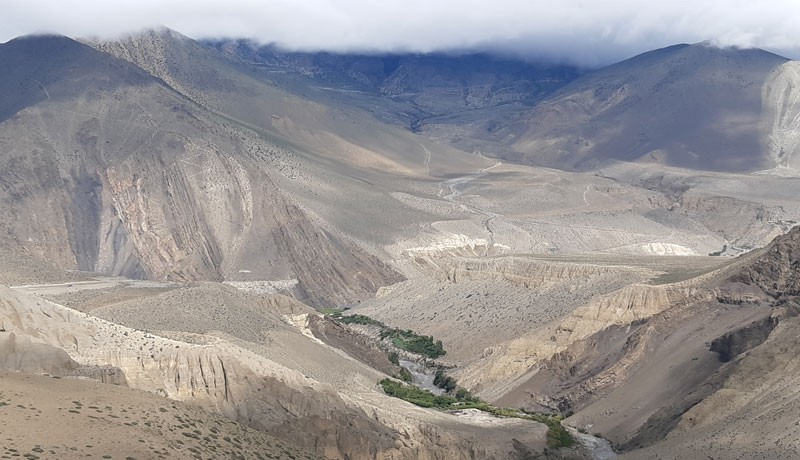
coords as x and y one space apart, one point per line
220 250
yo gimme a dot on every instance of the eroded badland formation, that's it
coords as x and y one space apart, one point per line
216 250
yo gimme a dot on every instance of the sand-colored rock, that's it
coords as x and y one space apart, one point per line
245 386
70 418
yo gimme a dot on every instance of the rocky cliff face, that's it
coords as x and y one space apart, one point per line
520 271
777 269
781 100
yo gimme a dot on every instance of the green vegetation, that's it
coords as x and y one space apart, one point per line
422 398
360 319
407 340
419 344
557 435
394 358
404 375
444 381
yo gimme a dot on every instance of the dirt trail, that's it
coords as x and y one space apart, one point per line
456 187
100 282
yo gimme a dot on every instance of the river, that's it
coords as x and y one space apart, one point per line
599 448
421 376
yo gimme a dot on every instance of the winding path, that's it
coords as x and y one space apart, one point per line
455 187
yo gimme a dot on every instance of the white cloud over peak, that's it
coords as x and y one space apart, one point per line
586 31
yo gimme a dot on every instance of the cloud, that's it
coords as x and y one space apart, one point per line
591 32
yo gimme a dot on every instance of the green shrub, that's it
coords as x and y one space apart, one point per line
360 319
419 344
444 381
462 394
404 375
557 435
404 339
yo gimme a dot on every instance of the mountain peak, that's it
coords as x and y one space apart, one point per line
162 32
38 43
41 67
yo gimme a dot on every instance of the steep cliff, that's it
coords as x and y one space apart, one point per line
776 270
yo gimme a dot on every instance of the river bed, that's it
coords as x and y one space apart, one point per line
421 376
599 448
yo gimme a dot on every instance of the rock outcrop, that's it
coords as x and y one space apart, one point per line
777 268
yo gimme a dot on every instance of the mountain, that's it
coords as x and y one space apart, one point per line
691 106
692 377
409 89
112 170
200 221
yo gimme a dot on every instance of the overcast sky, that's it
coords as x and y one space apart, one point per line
589 32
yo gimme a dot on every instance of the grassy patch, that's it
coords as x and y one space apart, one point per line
407 340
361 319
411 341
404 375
557 435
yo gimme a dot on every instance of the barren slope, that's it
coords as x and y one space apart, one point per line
689 382
125 176
46 417
693 106
336 404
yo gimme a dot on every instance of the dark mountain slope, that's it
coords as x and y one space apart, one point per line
61 67
693 106
408 88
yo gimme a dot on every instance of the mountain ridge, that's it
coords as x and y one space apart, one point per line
708 110
120 151
222 218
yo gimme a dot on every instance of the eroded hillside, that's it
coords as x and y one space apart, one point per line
207 223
